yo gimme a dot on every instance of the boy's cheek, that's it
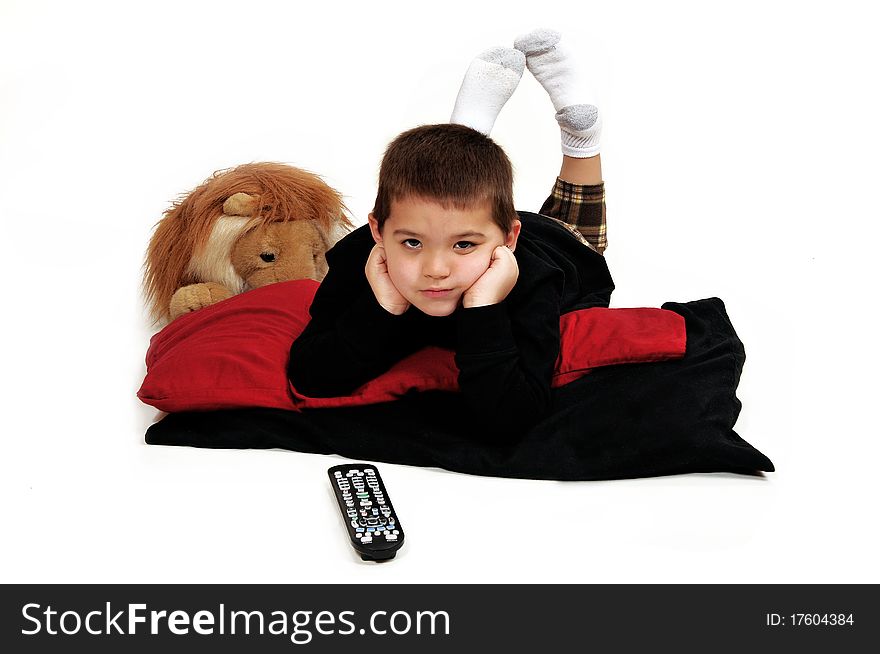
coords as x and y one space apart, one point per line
398 274
479 268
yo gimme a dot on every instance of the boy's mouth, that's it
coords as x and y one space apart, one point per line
435 292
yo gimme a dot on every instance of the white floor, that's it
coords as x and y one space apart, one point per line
739 154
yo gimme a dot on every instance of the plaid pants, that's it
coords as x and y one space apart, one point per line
581 208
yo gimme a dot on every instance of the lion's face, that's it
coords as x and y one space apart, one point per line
280 252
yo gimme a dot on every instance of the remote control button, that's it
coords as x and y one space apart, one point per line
362 522
354 523
390 537
370 529
359 529
338 473
395 532
366 540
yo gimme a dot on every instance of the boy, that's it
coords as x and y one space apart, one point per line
446 260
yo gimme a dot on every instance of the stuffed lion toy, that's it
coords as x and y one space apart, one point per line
243 228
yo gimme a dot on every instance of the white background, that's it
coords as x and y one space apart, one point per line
739 153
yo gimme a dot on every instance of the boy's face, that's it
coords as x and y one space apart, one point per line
434 254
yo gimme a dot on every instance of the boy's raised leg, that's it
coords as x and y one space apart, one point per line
578 197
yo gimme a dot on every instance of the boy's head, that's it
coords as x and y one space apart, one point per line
452 165
445 202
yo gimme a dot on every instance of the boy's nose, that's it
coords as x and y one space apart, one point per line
436 268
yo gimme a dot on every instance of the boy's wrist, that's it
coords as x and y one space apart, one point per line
472 303
471 300
394 310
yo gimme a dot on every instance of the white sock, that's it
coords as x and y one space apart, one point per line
489 82
550 62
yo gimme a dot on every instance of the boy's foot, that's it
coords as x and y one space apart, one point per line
551 64
489 82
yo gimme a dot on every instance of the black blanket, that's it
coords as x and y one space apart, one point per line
624 421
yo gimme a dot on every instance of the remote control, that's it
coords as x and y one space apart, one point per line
372 523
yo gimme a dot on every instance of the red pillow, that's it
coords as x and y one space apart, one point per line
234 354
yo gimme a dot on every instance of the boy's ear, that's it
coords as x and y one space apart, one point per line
374 229
513 235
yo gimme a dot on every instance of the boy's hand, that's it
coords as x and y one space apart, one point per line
494 284
383 288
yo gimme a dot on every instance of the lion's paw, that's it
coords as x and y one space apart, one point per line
197 296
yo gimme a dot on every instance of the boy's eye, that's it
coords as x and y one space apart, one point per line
464 245
411 243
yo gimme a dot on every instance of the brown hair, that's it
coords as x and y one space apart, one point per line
451 164
282 193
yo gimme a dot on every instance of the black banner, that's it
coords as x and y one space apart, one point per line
435 618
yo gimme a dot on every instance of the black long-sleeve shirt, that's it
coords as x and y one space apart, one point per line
505 353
